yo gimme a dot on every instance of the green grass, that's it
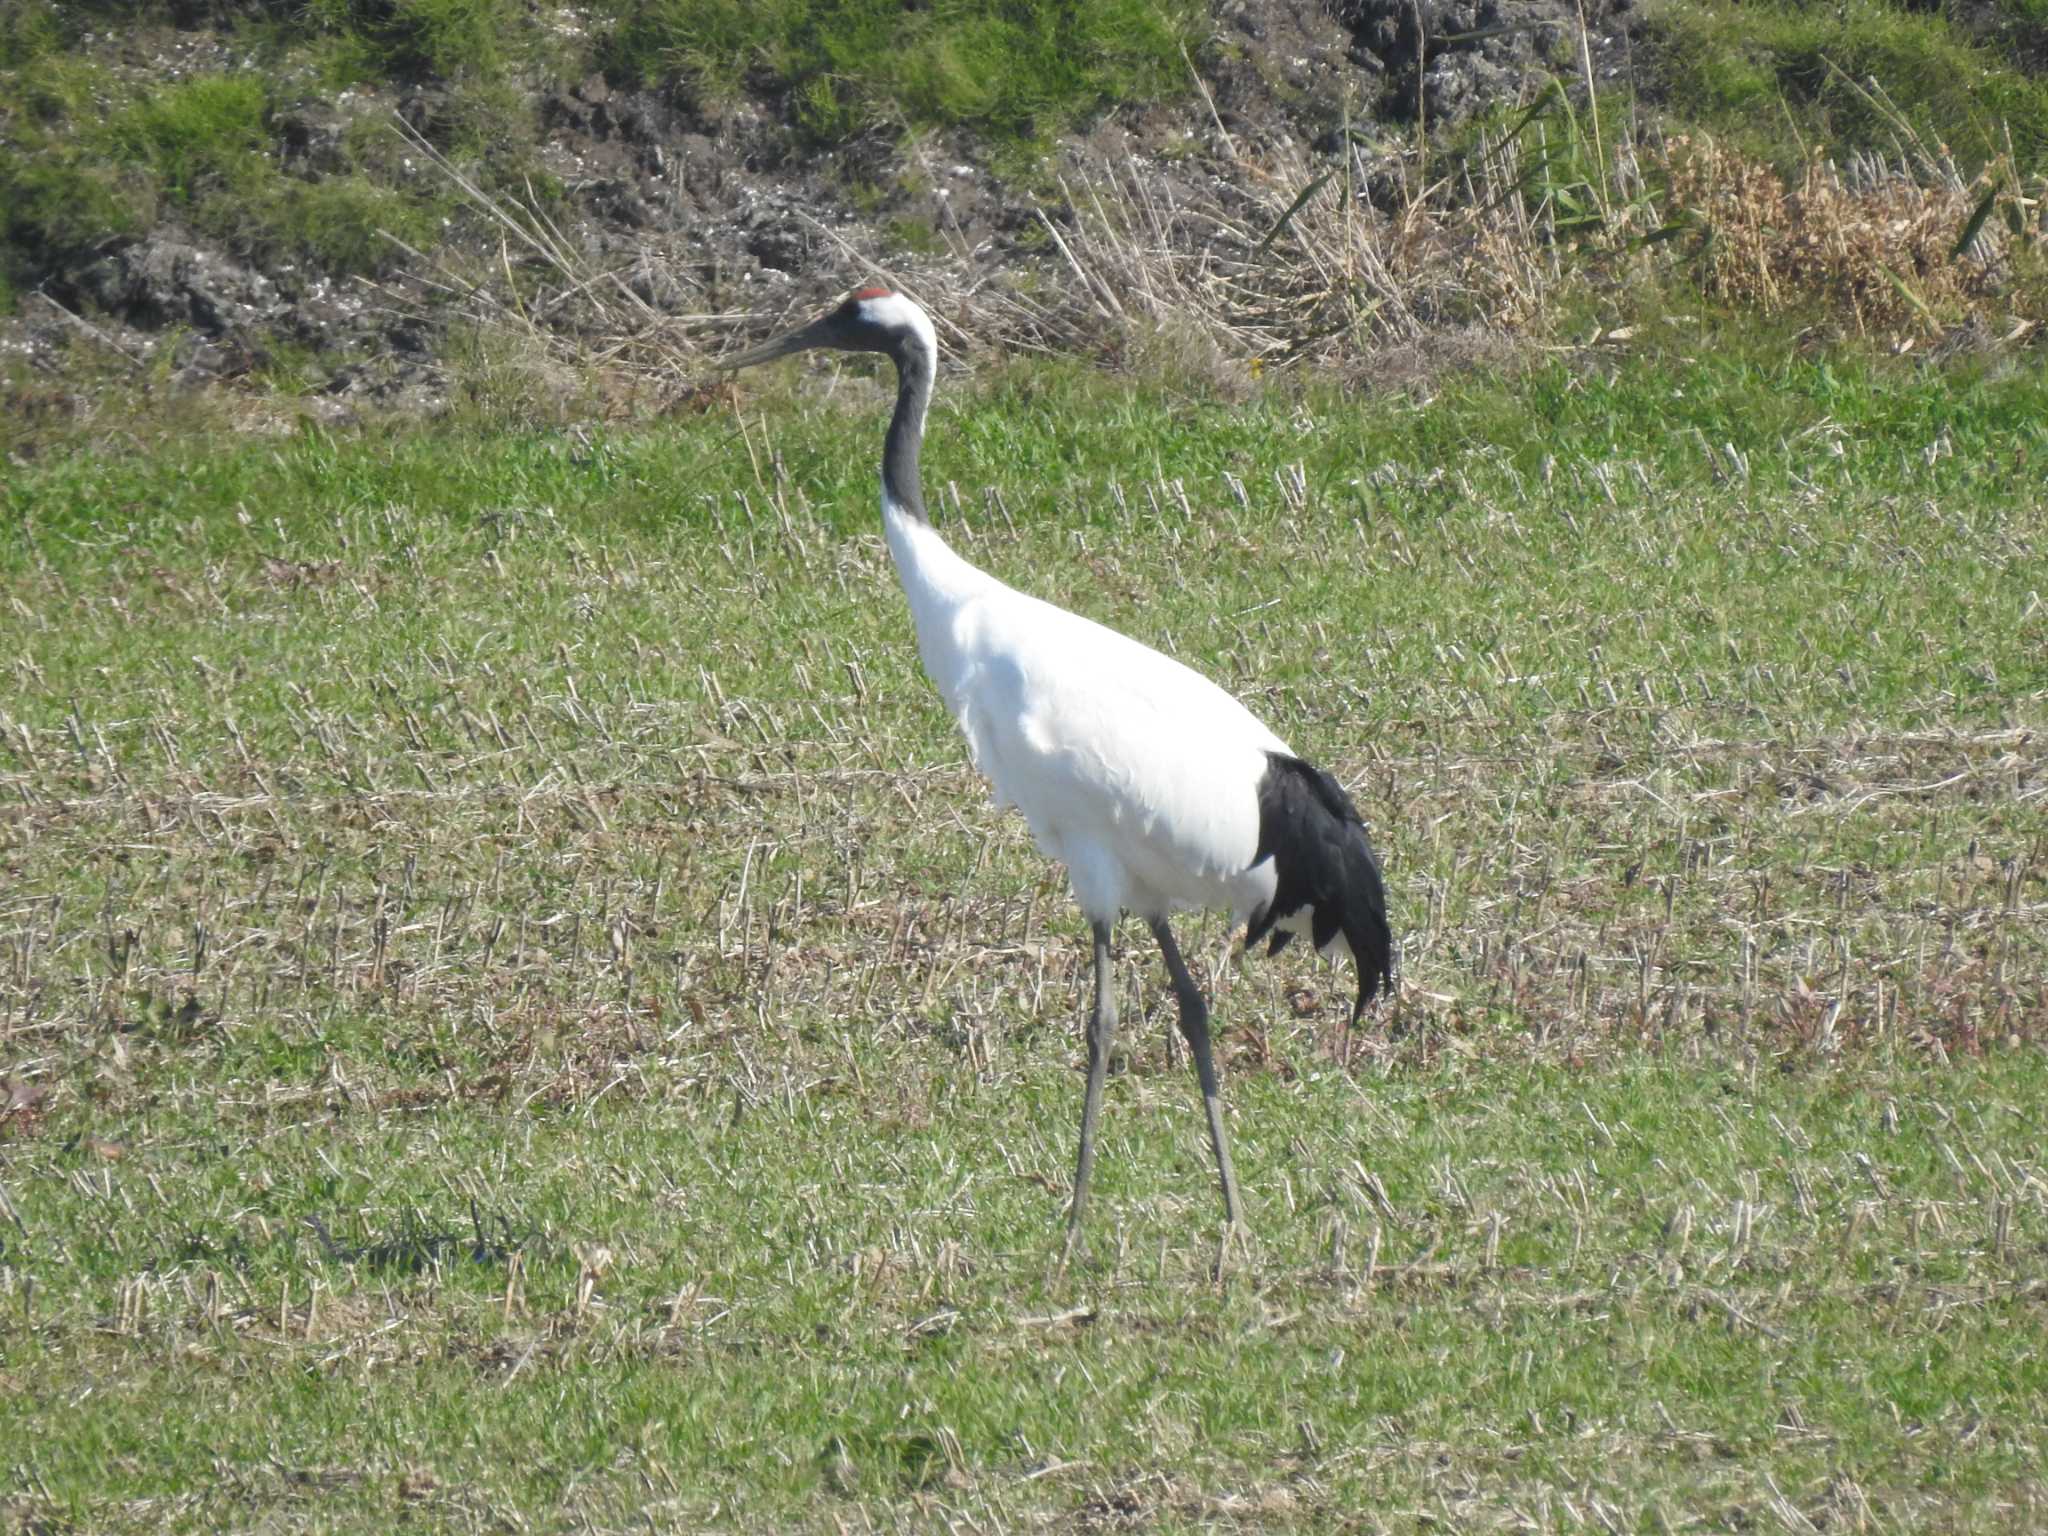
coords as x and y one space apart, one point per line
194 132
94 147
90 155
448 39
1009 71
1786 80
535 859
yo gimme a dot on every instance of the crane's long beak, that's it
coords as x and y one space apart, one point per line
800 340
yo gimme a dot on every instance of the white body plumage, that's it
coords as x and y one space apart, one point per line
1136 772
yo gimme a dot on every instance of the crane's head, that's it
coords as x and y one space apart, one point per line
870 320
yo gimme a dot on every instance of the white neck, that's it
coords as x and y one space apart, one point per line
938 584
937 581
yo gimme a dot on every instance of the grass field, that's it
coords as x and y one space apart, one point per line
515 1012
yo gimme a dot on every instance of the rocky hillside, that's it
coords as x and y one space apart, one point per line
242 217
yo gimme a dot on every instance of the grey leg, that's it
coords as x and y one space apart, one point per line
1101 1037
1194 1023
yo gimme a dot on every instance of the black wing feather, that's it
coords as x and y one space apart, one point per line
1323 860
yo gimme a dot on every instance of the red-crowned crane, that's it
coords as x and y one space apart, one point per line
1157 790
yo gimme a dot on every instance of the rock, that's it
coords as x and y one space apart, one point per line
313 136
620 201
655 287
160 280
775 239
564 112
427 109
412 335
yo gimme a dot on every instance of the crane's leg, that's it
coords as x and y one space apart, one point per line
1101 1037
1194 1023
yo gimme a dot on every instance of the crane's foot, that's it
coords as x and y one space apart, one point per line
1235 1244
1069 1245
1073 1260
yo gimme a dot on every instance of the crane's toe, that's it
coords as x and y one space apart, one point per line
1236 1242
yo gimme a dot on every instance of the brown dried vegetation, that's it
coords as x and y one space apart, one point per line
1888 251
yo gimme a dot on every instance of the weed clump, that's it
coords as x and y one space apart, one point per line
1881 248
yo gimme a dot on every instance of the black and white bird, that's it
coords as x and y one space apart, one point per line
1157 790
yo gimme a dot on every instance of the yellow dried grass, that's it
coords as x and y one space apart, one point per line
1882 247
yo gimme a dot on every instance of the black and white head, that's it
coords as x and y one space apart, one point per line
870 320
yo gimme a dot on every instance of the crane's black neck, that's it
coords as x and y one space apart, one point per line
906 429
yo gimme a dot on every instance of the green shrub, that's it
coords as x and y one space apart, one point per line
50 209
1778 80
52 88
1014 70
75 173
28 31
211 130
339 223
444 38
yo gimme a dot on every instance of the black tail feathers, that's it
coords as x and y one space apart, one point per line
1325 863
